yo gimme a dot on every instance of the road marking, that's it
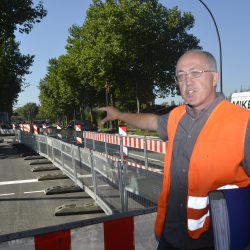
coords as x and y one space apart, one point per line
84 175
31 192
28 192
7 194
17 182
103 185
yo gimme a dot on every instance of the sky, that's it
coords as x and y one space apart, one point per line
49 37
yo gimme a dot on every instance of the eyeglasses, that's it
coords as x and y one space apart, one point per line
181 77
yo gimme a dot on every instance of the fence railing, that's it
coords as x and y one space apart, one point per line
113 184
141 152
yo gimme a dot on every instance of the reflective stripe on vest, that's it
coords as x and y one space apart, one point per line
197 202
201 203
197 224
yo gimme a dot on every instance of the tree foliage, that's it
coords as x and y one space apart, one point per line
132 45
126 50
29 111
14 66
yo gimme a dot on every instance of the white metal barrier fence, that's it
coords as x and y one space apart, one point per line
113 145
128 195
114 185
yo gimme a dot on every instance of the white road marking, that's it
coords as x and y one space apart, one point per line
84 175
28 192
7 194
17 182
31 192
104 185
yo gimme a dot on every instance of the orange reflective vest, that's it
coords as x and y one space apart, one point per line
215 163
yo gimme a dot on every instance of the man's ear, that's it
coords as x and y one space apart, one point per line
216 76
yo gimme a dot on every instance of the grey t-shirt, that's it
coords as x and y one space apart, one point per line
175 229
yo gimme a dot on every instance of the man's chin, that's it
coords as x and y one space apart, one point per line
191 101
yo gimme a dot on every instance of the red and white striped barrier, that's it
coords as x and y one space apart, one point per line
133 164
78 139
112 139
35 129
123 132
77 127
132 233
157 146
26 127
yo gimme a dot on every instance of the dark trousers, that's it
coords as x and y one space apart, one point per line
164 245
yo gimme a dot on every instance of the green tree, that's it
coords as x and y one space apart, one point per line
63 91
50 93
14 66
126 52
29 111
133 46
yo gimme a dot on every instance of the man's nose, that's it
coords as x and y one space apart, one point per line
187 80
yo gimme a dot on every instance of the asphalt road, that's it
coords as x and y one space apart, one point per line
23 202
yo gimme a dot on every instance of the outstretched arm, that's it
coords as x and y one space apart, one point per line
144 121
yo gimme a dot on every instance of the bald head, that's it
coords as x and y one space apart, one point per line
208 58
197 77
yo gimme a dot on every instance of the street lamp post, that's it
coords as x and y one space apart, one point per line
218 35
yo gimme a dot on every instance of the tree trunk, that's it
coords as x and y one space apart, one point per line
137 98
138 104
91 113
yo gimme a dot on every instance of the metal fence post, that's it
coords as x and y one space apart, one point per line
105 145
145 152
93 173
80 163
121 148
123 192
47 148
121 185
85 139
93 141
39 145
53 153
62 159
73 162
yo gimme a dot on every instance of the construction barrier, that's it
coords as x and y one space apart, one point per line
123 133
78 135
26 127
124 233
124 142
118 189
127 145
154 145
113 184
35 129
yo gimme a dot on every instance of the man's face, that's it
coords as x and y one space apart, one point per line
201 91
